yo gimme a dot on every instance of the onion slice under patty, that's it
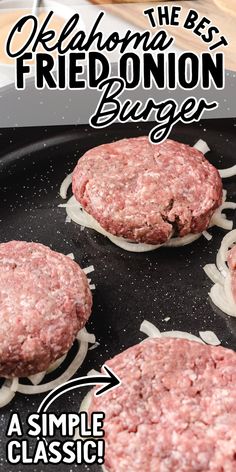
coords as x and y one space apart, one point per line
81 217
6 394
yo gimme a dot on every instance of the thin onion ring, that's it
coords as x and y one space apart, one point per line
230 172
217 295
37 378
213 273
65 185
150 329
6 394
209 338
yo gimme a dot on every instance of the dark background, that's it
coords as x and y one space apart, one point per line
130 287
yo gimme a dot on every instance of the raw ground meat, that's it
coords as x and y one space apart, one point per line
175 410
45 300
146 192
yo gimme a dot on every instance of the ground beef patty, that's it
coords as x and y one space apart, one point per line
44 301
147 192
175 410
232 266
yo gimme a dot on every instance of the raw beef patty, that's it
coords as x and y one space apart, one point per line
175 410
146 192
45 300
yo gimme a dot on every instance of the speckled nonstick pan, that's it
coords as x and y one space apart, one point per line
129 287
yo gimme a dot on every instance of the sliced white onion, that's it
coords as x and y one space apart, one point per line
207 235
230 172
8 382
188 239
94 346
227 206
202 146
14 384
83 335
71 256
6 395
218 297
221 221
209 338
88 270
78 215
213 273
93 372
37 378
132 247
56 364
65 185
150 329
224 194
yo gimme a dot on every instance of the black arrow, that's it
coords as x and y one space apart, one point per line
111 381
